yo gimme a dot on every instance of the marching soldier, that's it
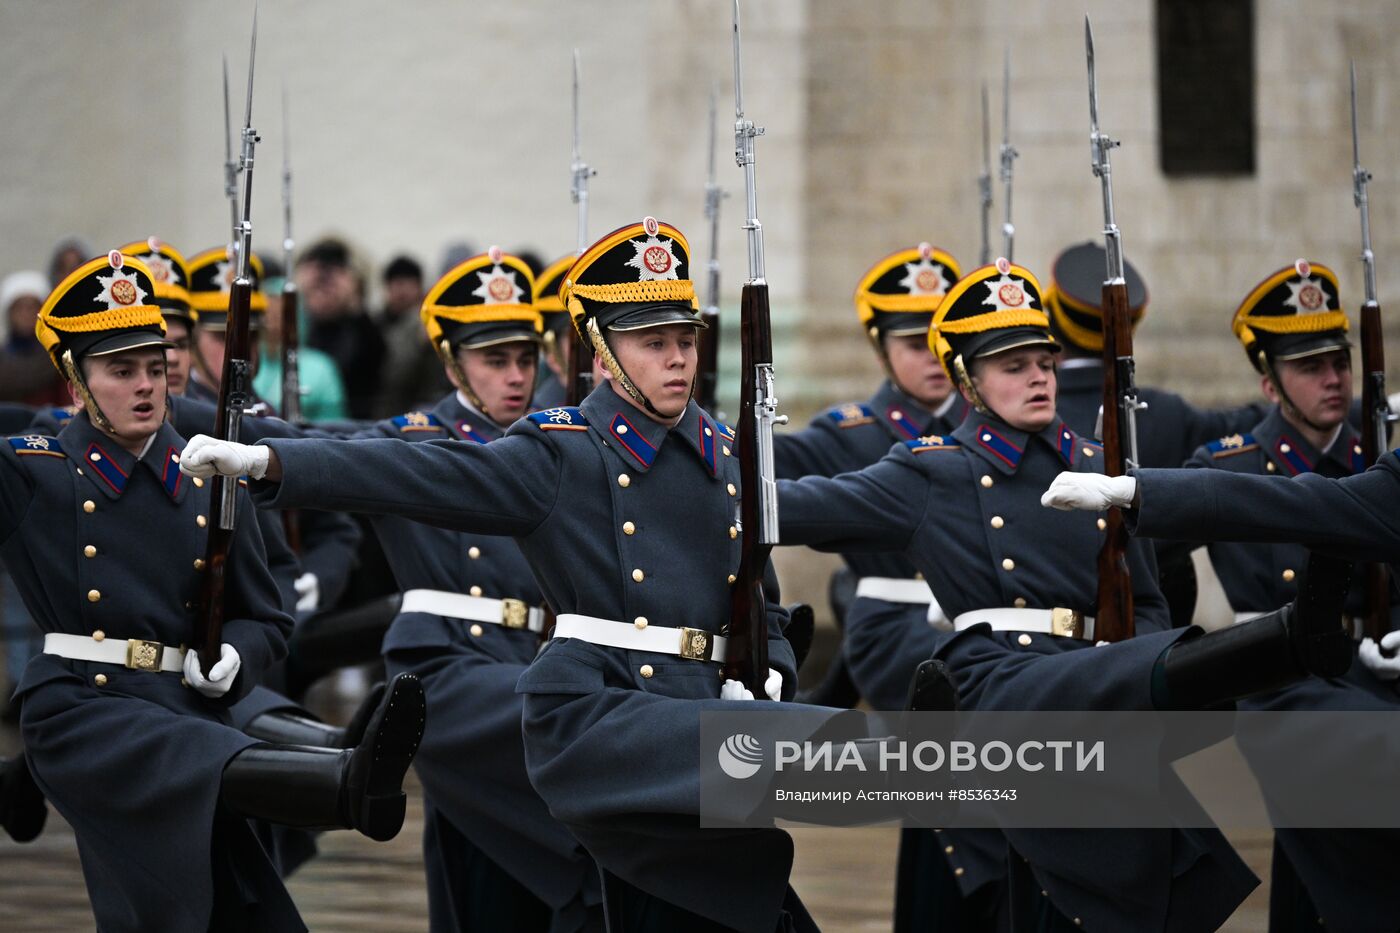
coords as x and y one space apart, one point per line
1020 591
470 623
624 509
171 276
211 274
164 844
887 627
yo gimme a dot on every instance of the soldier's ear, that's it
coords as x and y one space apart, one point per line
1266 385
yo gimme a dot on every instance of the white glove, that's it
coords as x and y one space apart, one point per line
733 690
205 456
1384 668
1091 492
308 592
773 686
1394 402
220 678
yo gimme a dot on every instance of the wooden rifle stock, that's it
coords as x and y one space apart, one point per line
707 369
580 370
747 657
1113 619
1373 434
234 389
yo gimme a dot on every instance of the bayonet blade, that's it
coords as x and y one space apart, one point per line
714 120
1093 86
1355 141
986 132
577 146
252 57
228 120
1006 97
738 70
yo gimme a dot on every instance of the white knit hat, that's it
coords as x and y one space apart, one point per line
18 285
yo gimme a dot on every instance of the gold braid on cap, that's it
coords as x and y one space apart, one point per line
995 320
75 376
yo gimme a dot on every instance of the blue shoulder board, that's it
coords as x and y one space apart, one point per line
852 415
559 419
725 431
418 421
922 445
37 444
61 415
1234 444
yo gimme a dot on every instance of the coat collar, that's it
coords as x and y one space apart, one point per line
906 419
1004 447
638 438
109 466
1292 454
464 422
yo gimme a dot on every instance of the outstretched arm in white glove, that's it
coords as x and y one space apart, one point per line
205 456
1091 492
1383 667
221 675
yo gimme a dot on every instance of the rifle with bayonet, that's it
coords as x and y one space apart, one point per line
746 659
707 369
984 182
1008 155
235 396
1375 412
580 373
1114 613
291 330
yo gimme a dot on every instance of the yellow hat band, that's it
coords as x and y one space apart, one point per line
996 320
619 292
1293 323
218 301
477 314
115 319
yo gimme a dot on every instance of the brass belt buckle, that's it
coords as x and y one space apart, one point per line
695 644
1066 623
514 613
143 655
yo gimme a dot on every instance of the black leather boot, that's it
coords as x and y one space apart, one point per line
932 690
287 728
22 808
357 788
1305 638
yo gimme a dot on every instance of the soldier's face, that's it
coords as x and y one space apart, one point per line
1019 386
916 370
177 358
661 363
211 345
503 377
1319 387
129 387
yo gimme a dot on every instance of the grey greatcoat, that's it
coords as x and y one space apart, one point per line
966 509
99 541
471 760
619 518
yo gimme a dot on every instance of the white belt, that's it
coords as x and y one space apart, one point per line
1247 616
895 590
135 653
512 613
904 590
1065 622
693 643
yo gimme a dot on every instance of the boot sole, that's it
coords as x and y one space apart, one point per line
391 739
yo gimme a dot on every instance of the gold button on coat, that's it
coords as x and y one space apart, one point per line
986 481
199 563
476 630
959 871
646 670
638 576
1102 523
726 450
998 521
1023 639
733 532
89 551
100 680
89 506
624 480
733 490
732 578
94 595
201 521
473 552
1008 564
198 483
640 622
1288 576
1270 466
475 591
1088 451
1019 602
628 528
99 635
